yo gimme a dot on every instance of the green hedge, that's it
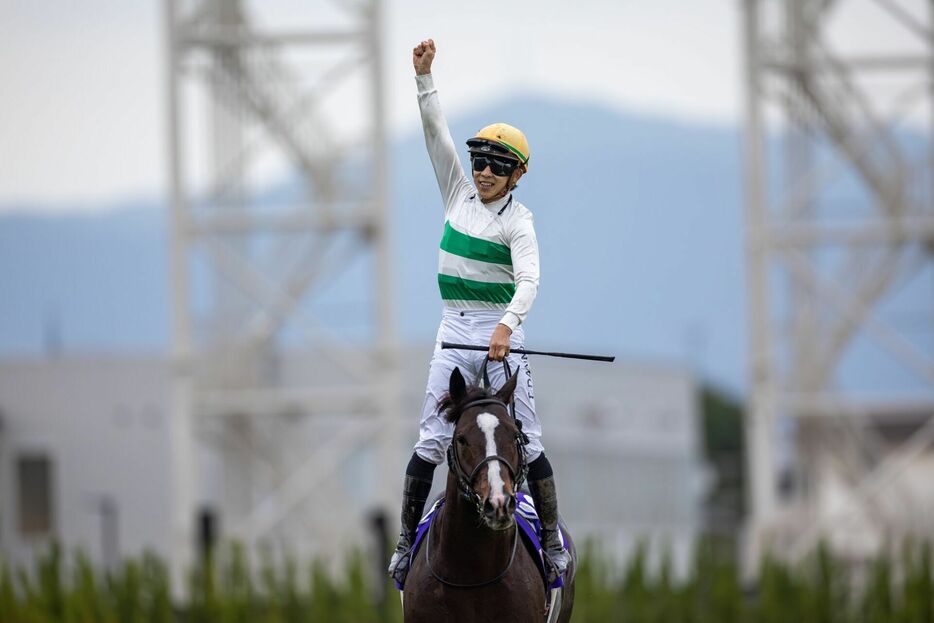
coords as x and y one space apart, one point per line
895 588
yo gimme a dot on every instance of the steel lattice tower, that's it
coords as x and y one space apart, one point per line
840 243
257 354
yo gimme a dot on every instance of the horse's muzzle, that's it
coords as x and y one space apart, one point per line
499 511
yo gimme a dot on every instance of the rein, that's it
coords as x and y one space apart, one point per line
512 557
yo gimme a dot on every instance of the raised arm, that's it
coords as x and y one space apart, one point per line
441 148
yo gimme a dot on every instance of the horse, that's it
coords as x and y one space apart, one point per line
472 566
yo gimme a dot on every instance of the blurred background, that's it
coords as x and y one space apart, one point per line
218 232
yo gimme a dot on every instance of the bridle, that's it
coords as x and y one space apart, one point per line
518 474
465 481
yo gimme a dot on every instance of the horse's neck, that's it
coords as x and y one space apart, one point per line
464 539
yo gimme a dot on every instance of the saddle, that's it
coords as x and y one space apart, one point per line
529 528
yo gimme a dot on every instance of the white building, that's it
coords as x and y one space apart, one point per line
84 458
83 451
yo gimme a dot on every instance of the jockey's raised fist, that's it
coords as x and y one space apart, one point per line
422 56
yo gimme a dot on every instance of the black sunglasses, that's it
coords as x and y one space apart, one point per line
500 167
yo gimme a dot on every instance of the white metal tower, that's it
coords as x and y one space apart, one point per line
840 260
283 328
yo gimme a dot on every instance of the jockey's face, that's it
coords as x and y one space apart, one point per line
490 186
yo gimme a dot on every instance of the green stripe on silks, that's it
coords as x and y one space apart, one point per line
457 243
457 289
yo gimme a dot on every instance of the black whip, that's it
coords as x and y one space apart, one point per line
523 351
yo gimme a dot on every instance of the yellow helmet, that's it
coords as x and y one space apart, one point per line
504 139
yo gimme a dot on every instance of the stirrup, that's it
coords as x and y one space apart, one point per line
557 558
556 564
401 558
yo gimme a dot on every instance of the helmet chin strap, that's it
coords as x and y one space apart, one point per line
510 186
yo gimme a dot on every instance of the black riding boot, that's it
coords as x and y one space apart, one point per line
418 477
546 504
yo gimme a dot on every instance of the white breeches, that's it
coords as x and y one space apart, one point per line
473 327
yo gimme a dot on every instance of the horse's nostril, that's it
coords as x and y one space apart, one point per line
488 508
512 503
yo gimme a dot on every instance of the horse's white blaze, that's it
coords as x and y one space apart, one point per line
488 423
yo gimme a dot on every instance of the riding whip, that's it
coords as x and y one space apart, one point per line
523 351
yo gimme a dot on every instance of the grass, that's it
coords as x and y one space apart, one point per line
896 587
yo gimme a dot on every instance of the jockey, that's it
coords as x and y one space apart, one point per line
488 276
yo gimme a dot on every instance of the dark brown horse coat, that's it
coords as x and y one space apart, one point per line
476 555
463 550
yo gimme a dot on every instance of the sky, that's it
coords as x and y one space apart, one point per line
82 111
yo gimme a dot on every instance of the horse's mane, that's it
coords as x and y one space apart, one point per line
451 411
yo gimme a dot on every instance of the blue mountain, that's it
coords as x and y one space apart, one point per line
639 224
89 282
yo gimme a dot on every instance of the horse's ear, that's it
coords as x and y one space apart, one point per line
457 388
506 392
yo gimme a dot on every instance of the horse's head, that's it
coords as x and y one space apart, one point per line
487 453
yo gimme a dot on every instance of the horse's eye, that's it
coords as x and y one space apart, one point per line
462 440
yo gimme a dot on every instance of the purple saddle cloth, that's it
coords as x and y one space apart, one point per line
526 518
